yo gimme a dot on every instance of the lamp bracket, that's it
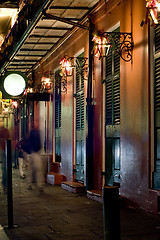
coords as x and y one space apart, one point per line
80 63
61 84
64 84
123 43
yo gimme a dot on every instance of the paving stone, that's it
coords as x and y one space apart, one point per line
59 214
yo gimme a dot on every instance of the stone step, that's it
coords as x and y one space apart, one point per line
73 187
95 195
55 178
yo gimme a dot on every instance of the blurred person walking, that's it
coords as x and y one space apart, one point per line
21 158
35 166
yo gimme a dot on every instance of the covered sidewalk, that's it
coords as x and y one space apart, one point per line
58 214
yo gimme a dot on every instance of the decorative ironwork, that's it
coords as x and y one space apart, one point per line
62 84
81 64
123 43
68 63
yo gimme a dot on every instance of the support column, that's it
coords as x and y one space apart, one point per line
9 183
111 213
90 117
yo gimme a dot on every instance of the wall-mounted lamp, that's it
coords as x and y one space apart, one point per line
28 90
46 82
122 42
66 66
68 63
153 7
14 104
101 46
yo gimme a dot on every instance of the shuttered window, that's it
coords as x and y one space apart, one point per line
156 174
79 176
113 88
57 100
112 118
79 99
58 116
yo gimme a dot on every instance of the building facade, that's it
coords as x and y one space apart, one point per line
101 123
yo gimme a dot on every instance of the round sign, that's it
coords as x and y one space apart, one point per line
14 84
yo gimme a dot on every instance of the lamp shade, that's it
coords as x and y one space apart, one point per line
66 65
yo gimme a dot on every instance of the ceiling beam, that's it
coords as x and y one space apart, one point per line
24 60
52 28
43 36
68 19
37 43
22 68
8 5
34 50
70 7
19 65
49 16
33 55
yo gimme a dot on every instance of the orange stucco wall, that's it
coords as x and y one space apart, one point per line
134 103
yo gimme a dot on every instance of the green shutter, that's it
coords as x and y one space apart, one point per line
157 36
112 117
79 99
156 173
79 123
57 115
113 88
57 100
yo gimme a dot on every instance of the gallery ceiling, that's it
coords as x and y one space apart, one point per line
48 30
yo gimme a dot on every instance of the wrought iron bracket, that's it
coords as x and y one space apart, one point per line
62 84
81 64
123 43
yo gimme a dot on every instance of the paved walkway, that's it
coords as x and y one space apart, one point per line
58 214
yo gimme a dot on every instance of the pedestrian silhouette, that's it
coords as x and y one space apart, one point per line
4 135
35 166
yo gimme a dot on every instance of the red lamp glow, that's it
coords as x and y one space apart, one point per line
101 46
46 82
14 104
153 6
66 66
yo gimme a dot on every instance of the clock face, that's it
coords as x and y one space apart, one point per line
14 84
